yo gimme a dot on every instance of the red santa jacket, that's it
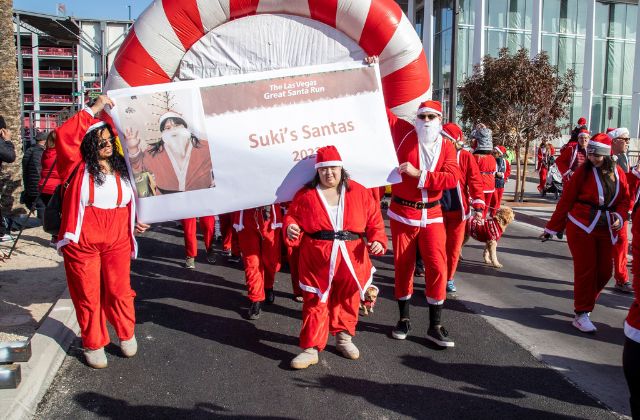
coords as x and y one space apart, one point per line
253 220
543 155
487 166
49 170
632 323
581 194
357 212
470 187
429 187
199 175
69 139
570 158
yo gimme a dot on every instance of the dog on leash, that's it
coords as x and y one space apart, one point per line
370 297
489 231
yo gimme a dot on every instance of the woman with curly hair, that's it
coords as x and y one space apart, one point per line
96 233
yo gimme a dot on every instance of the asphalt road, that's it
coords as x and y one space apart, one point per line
199 357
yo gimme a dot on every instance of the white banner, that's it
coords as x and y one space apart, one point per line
218 145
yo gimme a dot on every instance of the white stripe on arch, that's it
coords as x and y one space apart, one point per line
292 7
213 13
403 48
115 81
351 17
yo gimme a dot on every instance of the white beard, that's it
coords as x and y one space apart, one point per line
176 141
428 134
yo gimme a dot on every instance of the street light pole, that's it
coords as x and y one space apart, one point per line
453 88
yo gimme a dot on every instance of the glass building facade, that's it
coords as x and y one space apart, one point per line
595 38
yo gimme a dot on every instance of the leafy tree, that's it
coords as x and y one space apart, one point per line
521 99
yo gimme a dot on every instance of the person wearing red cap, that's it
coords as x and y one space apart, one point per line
544 156
428 167
259 236
592 209
573 155
573 136
619 148
96 232
460 202
503 172
336 223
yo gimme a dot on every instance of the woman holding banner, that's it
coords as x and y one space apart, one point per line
330 219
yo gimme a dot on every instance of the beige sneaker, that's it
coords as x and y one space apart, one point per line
305 359
345 346
129 347
97 359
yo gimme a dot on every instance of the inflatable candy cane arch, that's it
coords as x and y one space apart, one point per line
188 39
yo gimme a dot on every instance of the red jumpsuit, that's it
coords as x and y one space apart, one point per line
97 243
334 274
542 159
207 225
470 194
422 228
259 239
487 166
589 234
229 235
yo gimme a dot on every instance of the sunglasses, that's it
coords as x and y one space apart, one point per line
624 139
106 142
427 117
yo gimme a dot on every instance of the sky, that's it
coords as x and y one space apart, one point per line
99 9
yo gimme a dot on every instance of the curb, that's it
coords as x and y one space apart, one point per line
529 219
49 348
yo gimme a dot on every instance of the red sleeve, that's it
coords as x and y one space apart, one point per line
623 203
474 183
564 160
558 221
448 175
375 225
293 217
69 138
507 172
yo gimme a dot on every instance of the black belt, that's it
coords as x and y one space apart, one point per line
416 204
342 235
596 206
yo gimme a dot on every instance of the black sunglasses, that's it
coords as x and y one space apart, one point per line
427 116
104 143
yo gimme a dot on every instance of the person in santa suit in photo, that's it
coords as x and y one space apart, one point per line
503 172
96 232
543 160
592 209
428 167
459 203
259 231
336 223
482 144
619 148
573 155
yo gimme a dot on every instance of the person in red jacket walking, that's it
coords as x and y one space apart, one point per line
573 155
482 152
330 219
592 210
503 172
543 158
460 202
428 167
49 177
259 231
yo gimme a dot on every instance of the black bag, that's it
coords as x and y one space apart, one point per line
53 210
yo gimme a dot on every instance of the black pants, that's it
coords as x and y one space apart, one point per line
631 366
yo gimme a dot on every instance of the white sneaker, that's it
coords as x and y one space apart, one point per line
129 347
97 359
305 359
583 323
346 347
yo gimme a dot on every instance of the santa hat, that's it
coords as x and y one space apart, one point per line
430 106
169 114
583 132
618 132
328 156
500 149
95 126
452 131
609 129
600 144
582 121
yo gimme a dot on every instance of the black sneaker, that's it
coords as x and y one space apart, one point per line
234 259
439 336
401 330
211 256
419 271
254 310
270 297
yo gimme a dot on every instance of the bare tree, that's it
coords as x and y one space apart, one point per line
521 99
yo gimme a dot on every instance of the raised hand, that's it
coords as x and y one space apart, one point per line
132 138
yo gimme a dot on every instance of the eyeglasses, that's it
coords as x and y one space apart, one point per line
624 139
427 116
106 142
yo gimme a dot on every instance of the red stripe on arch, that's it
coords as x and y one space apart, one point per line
407 83
242 8
185 20
382 21
136 66
324 11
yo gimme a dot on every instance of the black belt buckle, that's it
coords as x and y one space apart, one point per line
420 205
342 235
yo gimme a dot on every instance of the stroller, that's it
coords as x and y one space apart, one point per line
554 180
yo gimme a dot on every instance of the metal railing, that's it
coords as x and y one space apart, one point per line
64 99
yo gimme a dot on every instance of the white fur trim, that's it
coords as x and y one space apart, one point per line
412 222
96 126
405 297
631 333
169 114
618 132
425 109
550 232
598 145
423 179
432 301
328 163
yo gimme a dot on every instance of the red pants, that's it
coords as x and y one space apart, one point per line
293 253
339 313
620 249
261 258
496 201
229 235
543 178
488 197
98 276
454 226
592 264
431 240
207 224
